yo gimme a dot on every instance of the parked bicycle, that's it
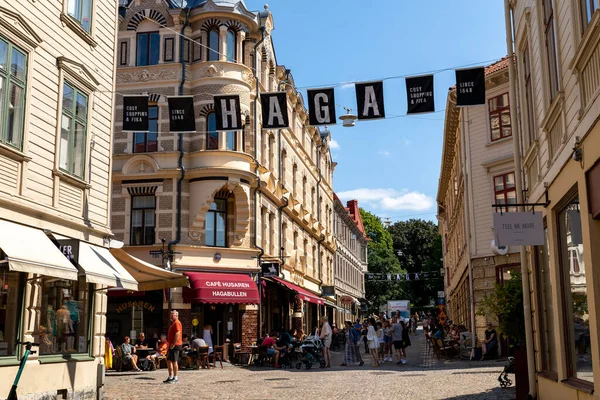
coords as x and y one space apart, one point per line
13 390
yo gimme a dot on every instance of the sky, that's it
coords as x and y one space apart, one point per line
390 166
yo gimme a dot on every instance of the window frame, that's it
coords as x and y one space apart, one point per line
587 8
234 48
213 213
74 120
233 135
528 93
148 48
143 227
504 191
80 18
210 52
150 119
497 112
549 28
11 80
210 132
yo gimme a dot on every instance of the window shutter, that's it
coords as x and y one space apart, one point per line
169 49
124 53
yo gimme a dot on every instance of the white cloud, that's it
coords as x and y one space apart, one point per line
384 153
334 145
406 141
389 199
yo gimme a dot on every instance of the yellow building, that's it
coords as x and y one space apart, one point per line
246 197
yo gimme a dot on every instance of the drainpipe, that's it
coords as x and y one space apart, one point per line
256 191
466 177
519 188
180 159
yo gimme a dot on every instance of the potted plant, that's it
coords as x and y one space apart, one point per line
505 305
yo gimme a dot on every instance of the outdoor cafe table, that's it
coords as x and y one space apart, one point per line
143 352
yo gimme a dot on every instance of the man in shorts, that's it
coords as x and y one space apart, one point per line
174 338
272 351
397 340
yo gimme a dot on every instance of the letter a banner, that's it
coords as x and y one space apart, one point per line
135 113
369 99
181 114
274 110
228 113
321 107
419 92
470 87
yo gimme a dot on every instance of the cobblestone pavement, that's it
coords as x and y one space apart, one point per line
420 378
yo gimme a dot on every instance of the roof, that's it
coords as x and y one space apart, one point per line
199 3
353 212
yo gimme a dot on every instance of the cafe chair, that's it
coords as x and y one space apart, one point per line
240 356
119 363
202 361
218 355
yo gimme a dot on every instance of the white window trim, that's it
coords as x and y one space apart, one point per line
75 25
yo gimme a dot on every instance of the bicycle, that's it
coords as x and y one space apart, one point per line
13 390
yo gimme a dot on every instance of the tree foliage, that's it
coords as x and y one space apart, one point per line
382 259
419 248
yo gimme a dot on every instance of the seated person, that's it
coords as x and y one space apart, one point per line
439 333
129 356
269 344
162 347
489 345
285 339
141 342
185 341
152 342
194 348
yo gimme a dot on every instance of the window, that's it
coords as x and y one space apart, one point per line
230 140
588 7
505 191
213 45
574 296
499 117
216 223
212 136
148 48
529 114
10 309
142 220
294 183
148 141
504 273
73 131
231 46
64 323
13 70
550 39
81 10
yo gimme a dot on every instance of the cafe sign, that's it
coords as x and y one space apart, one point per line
518 229
139 304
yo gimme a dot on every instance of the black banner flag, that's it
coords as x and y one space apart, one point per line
181 114
419 92
228 113
321 106
470 87
369 99
274 110
135 113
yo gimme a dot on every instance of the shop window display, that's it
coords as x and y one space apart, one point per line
10 299
64 316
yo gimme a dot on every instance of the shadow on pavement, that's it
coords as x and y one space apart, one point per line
496 393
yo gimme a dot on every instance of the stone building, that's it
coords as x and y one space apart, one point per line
56 111
477 171
245 197
558 85
350 260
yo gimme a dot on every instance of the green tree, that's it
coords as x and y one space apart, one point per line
381 260
418 246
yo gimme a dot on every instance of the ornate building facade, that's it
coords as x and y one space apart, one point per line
242 197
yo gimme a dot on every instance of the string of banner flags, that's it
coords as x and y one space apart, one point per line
411 276
470 91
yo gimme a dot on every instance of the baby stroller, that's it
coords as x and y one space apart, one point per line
285 357
311 353
508 369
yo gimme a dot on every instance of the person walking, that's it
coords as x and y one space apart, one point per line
174 337
387 341
352 350
364 336
372 341
326 336
380 341
397 340
207 336
405 341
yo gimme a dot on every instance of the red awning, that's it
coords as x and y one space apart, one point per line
211 287
303 293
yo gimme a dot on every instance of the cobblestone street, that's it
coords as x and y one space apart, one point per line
420 378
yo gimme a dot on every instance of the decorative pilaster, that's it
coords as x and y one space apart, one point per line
241 36
223 43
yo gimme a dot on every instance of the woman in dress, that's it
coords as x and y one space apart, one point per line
405 341
373 341
352 351
207 336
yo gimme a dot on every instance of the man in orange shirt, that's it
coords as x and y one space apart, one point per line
174 339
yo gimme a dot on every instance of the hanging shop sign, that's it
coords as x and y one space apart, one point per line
369 100
70 248
269 269
274 110
139 304
181 114
518 229
227 112
321 106
327 290
470 87
419 93
135 114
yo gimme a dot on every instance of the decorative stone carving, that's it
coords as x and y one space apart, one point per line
212 71
248 77
146 76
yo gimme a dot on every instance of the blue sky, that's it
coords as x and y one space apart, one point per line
391 166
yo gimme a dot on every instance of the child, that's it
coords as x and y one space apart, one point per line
380 341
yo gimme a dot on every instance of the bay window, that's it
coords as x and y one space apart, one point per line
216 224
213 45
231 46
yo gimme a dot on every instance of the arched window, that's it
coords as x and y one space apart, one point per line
212 136
216 224
231 46
213 45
